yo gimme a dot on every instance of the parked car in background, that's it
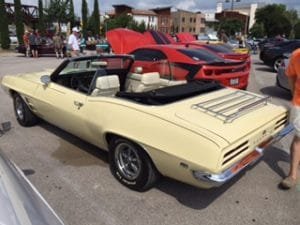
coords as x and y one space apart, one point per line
20 202
270 42
274 56
179 61
45 48
281 78
200 133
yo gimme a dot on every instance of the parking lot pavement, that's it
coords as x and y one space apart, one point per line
74 176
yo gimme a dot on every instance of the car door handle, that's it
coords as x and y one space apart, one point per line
78 104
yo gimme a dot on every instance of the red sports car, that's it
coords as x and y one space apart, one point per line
221 49
177 62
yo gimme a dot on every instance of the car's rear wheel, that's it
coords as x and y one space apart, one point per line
277 63
131 166
23 114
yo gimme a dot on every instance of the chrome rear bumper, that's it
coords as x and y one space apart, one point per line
215 180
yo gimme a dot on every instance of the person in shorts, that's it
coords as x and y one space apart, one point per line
58 45
73 42
293 74
33 43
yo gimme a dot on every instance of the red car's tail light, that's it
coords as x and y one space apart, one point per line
208 72
218 72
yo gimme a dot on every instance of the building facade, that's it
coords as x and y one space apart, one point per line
186 21
164 20
149 17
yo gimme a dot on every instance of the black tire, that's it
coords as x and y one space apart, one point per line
23 114
131 166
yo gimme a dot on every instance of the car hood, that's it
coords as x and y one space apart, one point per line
124 40
206 122
185 37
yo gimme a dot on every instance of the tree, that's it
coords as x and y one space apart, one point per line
19 21
84 17
297 30
231 26
126 21
292 16
4 32
71 15
57 12
274 19
257 30
94 22
41 22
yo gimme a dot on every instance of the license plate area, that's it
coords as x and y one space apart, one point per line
234 81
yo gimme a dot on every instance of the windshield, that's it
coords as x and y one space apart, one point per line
201 55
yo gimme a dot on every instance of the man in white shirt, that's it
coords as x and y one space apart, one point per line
73 42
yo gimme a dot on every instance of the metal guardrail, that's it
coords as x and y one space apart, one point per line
233 105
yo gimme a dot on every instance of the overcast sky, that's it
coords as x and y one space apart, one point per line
192 5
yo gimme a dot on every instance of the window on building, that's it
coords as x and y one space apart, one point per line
182 29
194 20
191 19
202 20
194 29
190 30
183 19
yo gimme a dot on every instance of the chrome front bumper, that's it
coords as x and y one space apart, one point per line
215 180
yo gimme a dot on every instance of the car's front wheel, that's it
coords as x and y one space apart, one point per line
23 114
131 166
277 63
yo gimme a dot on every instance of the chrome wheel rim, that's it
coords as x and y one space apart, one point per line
128 161
19 108
277 64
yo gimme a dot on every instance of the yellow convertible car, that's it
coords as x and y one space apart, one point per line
199 132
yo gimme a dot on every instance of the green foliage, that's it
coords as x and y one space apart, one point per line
257 30
71 15
126 21
57 12
275 19
292 16
297 30
94 21
231 26
84 17
19 21
41 22
4 32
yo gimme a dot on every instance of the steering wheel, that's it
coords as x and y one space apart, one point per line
77 84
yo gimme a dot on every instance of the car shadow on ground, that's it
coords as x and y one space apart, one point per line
265 69
185 194
277 92
66 152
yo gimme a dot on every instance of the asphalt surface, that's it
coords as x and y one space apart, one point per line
74 176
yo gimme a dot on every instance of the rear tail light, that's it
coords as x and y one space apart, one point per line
208 72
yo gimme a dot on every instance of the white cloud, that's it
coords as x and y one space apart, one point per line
186 4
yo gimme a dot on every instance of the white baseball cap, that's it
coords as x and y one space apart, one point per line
75 29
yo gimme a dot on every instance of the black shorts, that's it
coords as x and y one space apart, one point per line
33 47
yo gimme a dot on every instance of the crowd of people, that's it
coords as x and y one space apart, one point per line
72 46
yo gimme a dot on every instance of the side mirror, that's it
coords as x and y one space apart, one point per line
45 79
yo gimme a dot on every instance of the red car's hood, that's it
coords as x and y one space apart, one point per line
124 40
185 37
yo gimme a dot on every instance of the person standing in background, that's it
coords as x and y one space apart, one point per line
33 44
73 42
58 45
26 43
